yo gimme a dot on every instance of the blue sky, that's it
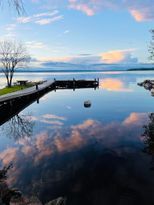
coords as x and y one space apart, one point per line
82 31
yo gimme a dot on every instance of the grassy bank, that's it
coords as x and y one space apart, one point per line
15 88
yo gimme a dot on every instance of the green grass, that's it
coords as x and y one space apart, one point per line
14 88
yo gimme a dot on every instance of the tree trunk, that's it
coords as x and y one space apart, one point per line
8 83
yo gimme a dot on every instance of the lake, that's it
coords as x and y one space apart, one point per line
103 154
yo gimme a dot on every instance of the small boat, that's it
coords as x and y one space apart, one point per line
87 104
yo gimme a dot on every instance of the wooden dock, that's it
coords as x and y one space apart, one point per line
25 92
48 86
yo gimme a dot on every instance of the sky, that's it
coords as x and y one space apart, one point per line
82 31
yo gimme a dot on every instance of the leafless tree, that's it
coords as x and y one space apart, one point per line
151 47
12 56
17 4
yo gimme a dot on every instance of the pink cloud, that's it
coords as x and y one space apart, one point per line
146 14
84 8
118 56
141 10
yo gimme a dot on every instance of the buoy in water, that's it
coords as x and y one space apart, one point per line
87 104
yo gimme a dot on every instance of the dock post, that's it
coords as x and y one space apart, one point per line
98 83
36 86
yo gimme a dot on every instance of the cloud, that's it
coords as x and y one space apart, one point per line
41 18
49 20
82 7
143 14
35 45
142 10
118 56
10 27
48 60
110 57
85 59
66 31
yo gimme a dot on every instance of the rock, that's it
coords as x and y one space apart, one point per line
148 86
152 91
58 201
87 104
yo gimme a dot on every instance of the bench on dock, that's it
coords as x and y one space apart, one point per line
22 82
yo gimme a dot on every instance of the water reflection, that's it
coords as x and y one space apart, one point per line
116 85
5 192
149 138
91 156
89 163
18 127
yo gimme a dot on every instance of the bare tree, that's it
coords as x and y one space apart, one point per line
12 56
18 4
151 47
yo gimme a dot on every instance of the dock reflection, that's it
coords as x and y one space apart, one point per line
13 107
9 110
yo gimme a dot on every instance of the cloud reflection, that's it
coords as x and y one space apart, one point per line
50 119
115 85
51 160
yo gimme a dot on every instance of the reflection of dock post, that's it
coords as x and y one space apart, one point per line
11 105
95 85
73 84
38 101
55 83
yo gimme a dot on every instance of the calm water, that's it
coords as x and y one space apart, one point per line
98 155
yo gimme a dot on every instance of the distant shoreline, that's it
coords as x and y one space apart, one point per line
80 71
141 69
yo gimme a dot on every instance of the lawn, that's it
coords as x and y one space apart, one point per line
14 88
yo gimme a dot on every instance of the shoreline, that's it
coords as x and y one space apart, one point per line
79 71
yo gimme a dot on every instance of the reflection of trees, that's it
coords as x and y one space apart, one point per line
14 196
5 192
149 138
20 126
